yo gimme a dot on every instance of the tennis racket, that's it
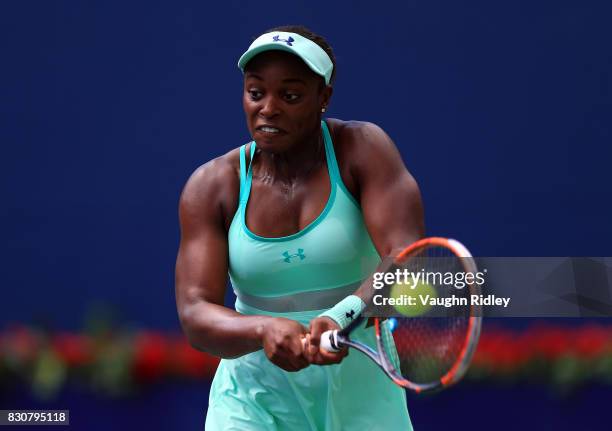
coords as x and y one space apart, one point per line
433 350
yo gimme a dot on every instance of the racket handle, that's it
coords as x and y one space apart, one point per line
329 341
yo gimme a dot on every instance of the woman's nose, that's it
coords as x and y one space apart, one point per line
270 107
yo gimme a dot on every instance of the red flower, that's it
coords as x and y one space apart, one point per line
21 343
73 349
551 342
591 341
151 353
191 362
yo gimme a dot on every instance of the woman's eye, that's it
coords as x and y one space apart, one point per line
255 94
290 97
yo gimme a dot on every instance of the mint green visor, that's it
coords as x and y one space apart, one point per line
312 54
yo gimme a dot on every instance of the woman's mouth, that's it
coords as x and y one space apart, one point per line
269 130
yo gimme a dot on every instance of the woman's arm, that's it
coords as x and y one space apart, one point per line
390 202
389 196
201 278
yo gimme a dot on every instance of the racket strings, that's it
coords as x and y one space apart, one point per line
427 346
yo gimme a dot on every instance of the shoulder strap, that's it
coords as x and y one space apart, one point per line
242 171
332 164
242 165
246 175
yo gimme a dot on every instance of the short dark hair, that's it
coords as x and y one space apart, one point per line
309 34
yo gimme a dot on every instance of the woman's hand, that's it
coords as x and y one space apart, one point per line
314 353
282 342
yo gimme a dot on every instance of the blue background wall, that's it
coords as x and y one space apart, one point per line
501 110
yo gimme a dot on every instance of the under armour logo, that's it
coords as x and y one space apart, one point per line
277 38
350 315
288 257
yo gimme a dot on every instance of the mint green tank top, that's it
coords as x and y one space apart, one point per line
299 276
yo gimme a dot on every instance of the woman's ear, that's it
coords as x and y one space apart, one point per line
325 97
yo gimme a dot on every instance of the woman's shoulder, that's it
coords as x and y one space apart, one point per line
218 171
358 142
215 184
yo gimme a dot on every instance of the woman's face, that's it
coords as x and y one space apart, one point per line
282 100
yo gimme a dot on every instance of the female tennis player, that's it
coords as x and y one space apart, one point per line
298 217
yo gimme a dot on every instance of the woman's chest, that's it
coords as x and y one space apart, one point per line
278 209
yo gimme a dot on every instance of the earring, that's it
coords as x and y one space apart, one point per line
323 109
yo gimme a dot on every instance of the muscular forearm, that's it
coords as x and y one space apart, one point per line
222 332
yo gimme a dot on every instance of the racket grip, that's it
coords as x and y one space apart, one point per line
329 341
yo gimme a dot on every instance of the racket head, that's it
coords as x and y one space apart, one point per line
427 353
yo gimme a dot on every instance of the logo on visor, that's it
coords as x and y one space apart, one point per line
288 257
277 38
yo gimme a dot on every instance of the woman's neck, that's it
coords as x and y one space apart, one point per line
294 164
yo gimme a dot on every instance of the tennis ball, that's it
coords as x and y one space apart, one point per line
419 293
